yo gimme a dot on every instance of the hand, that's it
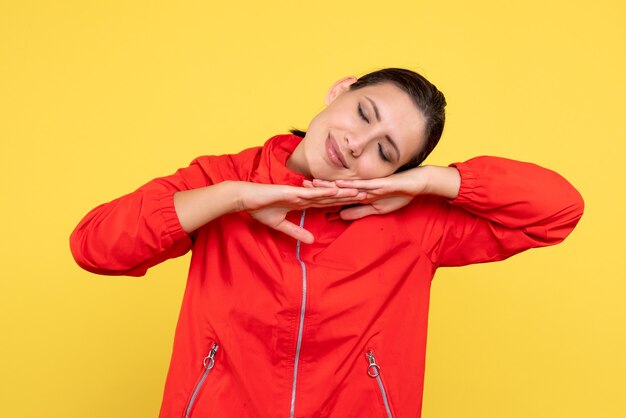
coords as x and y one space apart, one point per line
270 203
382 195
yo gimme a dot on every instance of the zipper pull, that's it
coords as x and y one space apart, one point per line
209 361
373 369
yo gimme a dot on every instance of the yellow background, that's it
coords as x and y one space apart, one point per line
98 97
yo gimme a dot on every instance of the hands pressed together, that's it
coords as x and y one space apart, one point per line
269 204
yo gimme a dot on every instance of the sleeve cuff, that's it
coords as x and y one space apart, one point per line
173 228
469 181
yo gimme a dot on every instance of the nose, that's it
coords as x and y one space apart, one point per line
355 143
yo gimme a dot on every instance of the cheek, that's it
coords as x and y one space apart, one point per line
373 168
315 156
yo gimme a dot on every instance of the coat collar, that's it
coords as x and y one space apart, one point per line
272 168
272 165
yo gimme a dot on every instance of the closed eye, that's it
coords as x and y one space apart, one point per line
382 154
362 114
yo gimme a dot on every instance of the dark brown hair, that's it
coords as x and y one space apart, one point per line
424 94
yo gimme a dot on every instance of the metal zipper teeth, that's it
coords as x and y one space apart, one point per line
373 370
301 326
208 363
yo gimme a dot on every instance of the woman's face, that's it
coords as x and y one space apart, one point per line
361 134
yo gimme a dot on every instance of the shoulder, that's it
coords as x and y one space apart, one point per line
224 167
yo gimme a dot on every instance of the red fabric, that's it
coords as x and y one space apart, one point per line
367 282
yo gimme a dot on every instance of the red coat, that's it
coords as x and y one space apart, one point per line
270 327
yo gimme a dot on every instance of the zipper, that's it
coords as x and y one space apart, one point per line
300 326
373 371
208 362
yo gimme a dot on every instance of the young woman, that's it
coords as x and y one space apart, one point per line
313 255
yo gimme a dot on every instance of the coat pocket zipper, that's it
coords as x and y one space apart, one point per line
207 363
373 371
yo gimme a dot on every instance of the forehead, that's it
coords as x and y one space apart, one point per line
398 113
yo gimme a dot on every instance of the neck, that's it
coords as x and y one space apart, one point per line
297 161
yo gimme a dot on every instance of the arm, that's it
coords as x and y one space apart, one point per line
492 208
504 207
157 221
130 234
267 203
387 194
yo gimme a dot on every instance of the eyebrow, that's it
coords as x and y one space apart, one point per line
391 141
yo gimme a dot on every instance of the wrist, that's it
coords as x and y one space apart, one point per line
428 178
234 195
442 181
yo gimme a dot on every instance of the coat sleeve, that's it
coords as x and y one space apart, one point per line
503 207
134 232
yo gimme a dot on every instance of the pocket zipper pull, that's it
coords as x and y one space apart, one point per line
373 369
209 360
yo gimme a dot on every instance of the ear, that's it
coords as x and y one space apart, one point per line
339 87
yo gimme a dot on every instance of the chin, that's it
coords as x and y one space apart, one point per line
322 176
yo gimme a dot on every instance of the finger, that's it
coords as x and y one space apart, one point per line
316 192
334 193
362 184
328 185
334 201
295 231
333 204
341 193
357 212
323 183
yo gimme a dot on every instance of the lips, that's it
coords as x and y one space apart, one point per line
334 153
